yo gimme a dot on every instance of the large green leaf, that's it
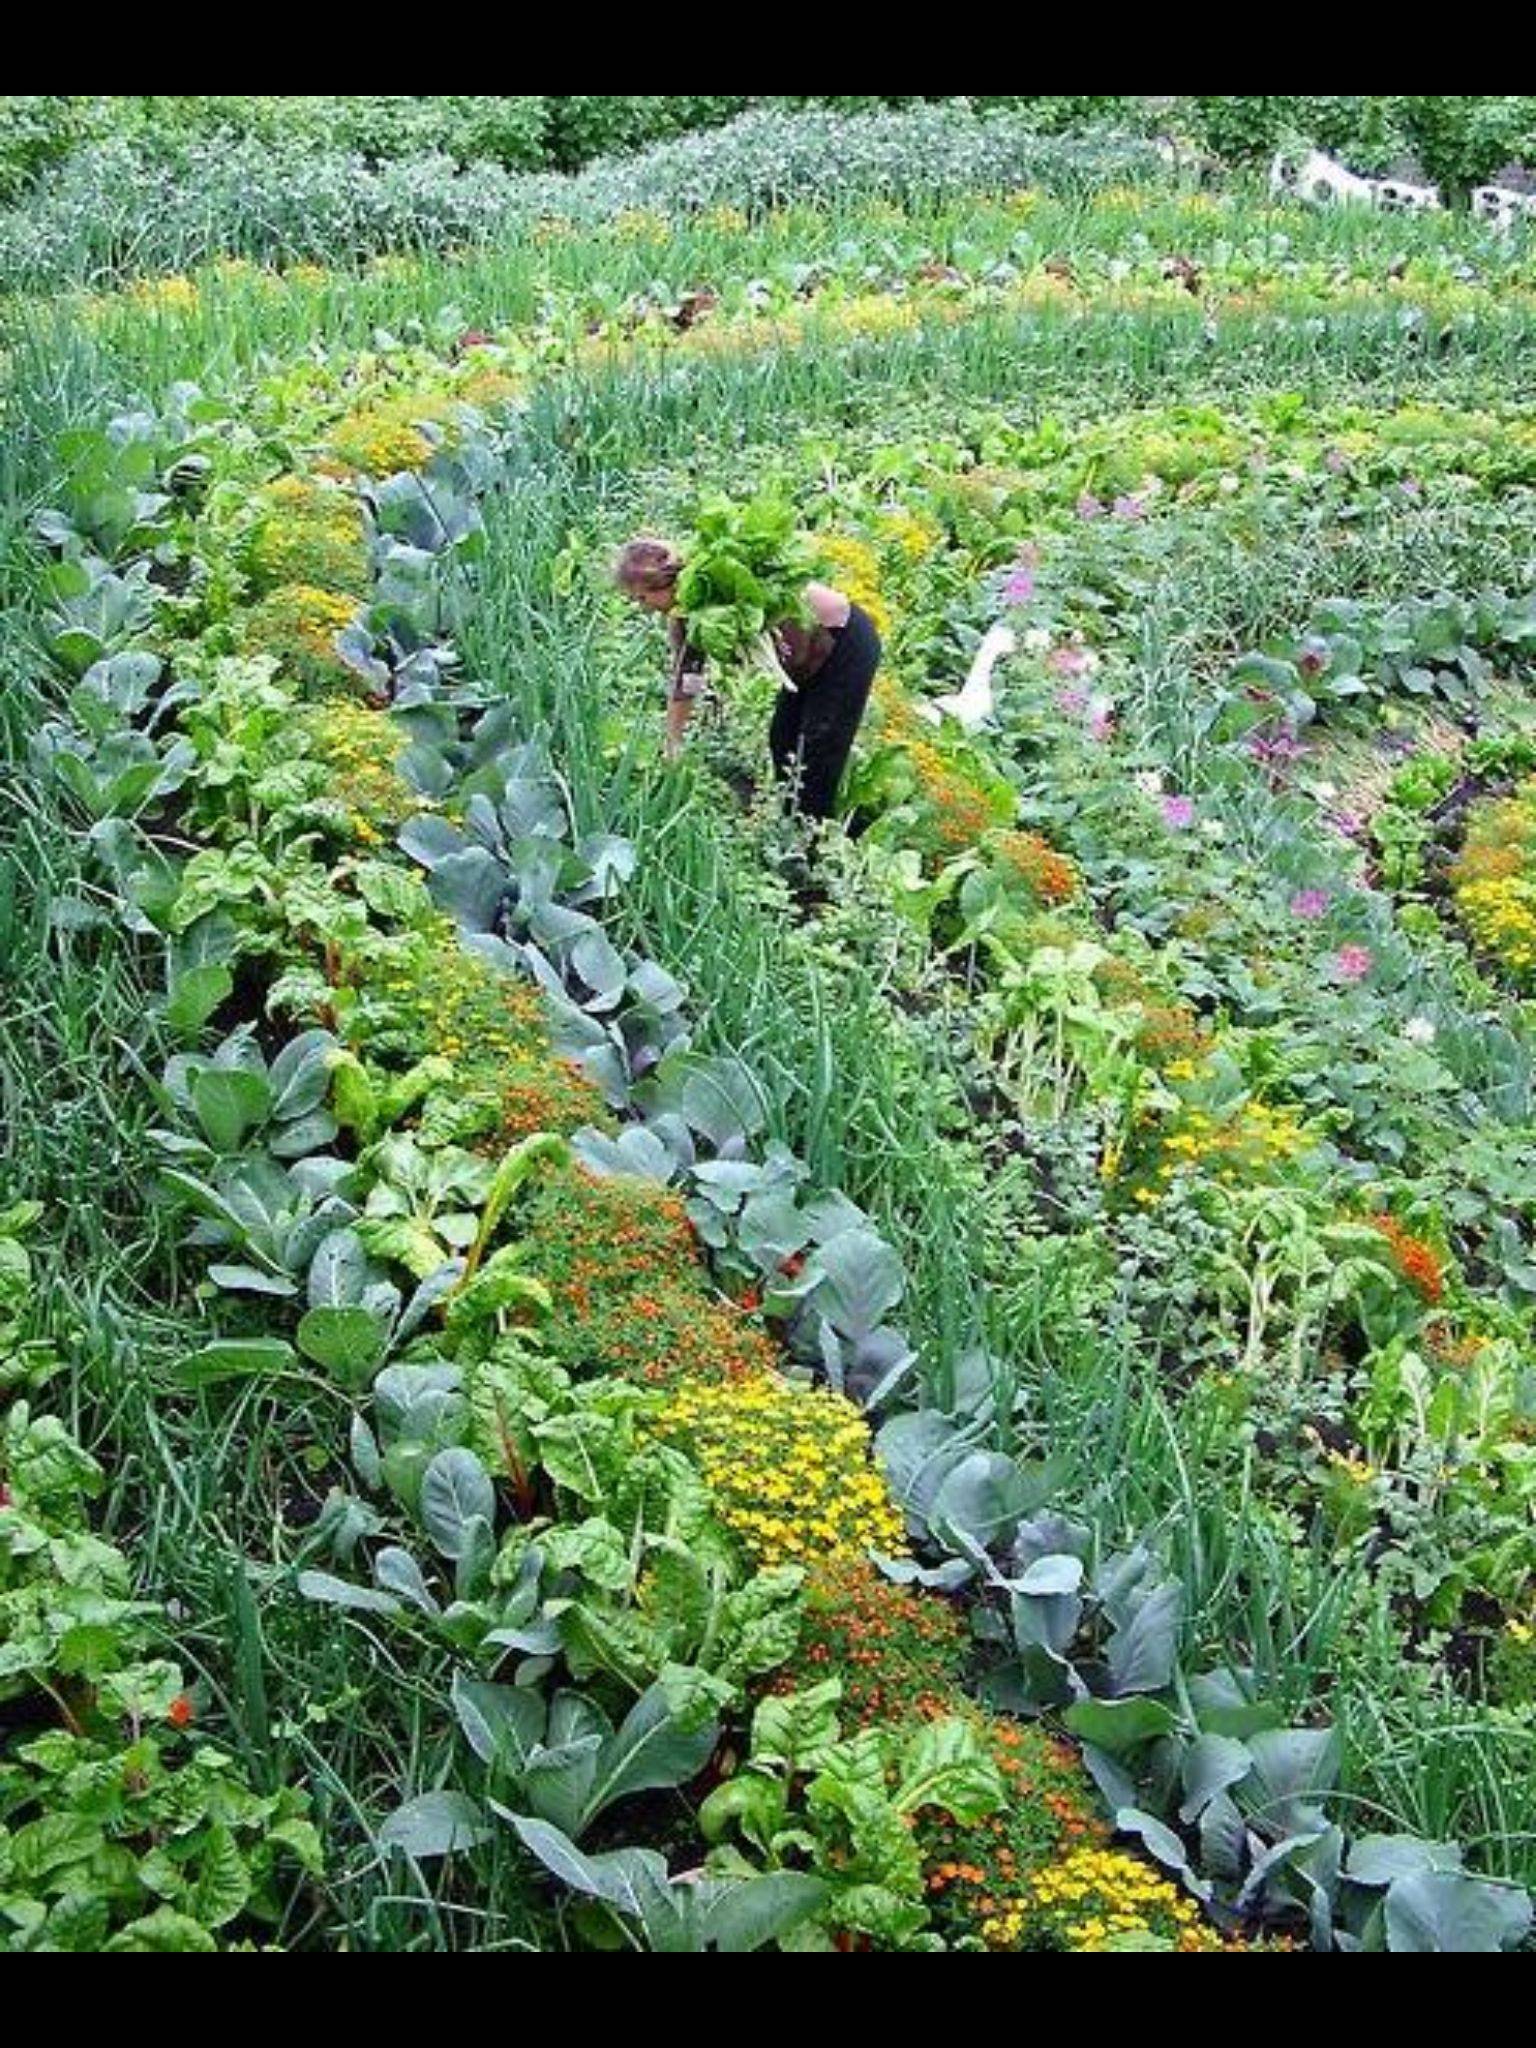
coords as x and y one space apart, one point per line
1440 1913
230 1105
456 1495
503 1724
650 1753
348 1344
440 1825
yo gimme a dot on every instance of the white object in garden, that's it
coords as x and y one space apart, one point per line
1396 195
1320 179
976 706
1502 206
1323 181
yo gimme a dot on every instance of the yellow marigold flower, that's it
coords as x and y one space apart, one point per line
760 1444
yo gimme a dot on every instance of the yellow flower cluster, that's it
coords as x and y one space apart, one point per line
1495 884
165 294
914 539
487 388
790 1471
382 440
298 626
1097 1902
1354 1470
362 749
1246 1149
875 315
311 532
641 224
852 566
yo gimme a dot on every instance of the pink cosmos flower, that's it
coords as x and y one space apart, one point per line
1356 965
1180 814
1072 662
1131 509
1311 906
1101 725
1073 703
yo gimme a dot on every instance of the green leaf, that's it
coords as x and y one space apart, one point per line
301 1076
1441 1913
985 1499
753 1916
197 996
799 1733
1143 1656
350 1345
41 1850
456 1495
650 1753
164 1934
243 1359
222 1890
230 1104
1120 1727
441 1825
503 1725
144 1692
1382 1861
1213 1767
634 1882
78 1925
326 1591
948 1769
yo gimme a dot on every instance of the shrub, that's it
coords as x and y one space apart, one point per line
37 130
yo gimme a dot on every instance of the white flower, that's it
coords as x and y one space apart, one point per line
1422 1032
1039 640
1152 784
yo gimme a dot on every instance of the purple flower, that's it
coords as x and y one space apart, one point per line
1356 965
1412 488
1180 814
1338 462
1279 755
1130 508
1074 663
1350 825
1101 727
1021 587
1311 906
1073 703
1090 508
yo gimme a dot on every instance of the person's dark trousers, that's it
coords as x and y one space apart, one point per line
814 729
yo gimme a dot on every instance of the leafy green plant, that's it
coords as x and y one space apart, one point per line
846 1808
746 568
